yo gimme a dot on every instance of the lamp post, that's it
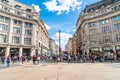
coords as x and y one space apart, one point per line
60 56
59 42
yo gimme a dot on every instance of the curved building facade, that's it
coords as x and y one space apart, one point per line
98 29
21 30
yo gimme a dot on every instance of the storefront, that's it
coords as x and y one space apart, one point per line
14 52
26 52
2 51
118 52
95 51
108 53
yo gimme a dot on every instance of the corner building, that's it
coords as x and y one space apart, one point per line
21 30
98 29
53 48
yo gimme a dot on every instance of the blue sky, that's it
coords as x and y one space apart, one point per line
60 14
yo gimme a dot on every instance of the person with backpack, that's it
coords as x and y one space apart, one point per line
23 59
8 61
34 58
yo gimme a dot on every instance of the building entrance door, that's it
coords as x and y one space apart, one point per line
26 52
14 52
108 55
2 51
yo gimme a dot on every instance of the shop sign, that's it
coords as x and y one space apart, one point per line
117 47
106 48
95 49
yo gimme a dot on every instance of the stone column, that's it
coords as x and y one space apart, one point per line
22 33
7 51
9 38
100 49
111 31
32 51
114 50
20 51
10 31
34 35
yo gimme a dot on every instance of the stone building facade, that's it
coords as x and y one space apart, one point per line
98 29
53 47
74 39
69 46
21 30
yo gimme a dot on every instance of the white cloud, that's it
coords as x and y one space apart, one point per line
61 6
64 39
67 30
37 8
48 27
74 30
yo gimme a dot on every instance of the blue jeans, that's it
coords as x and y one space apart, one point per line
8 63
38 61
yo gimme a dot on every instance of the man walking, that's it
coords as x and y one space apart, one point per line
93 59
69 59
34 59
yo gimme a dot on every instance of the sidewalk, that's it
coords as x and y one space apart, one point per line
2 66
62 71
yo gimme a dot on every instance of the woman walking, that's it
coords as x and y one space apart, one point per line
38 59
8 61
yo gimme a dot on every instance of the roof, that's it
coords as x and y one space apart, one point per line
98 5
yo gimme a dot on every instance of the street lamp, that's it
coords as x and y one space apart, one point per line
59 42
60 45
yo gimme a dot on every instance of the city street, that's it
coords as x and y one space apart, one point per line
62 71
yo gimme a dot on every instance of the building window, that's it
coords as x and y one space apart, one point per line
117 26
115 8
17 6
28 24
104 22
28 32
29 16
3 38
15 39
91 10
16 30
18 13
4 27
28 10
102 6
93 24
27 41
106 39
105 29
5 19
5 1
6 9
115 1
116 18
118 37
16 22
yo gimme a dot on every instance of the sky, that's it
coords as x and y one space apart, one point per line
59 15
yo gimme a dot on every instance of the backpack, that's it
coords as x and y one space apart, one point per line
8 58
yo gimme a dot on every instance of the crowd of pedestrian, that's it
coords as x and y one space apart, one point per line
54 58
83 59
